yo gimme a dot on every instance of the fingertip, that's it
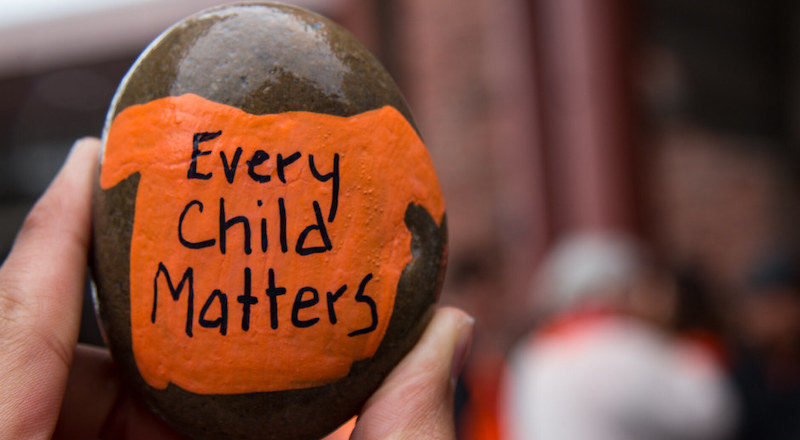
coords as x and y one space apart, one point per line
454 313
417 395
444 342
460 320
86 142
466 328
450 332
84 151
453 329
63 209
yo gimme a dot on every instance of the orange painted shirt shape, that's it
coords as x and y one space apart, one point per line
382 167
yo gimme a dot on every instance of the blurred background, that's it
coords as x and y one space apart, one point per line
673 123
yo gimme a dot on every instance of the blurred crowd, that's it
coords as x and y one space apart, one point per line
624 346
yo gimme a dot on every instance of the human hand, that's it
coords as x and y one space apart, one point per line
52 388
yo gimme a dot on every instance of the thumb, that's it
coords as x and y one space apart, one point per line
416 399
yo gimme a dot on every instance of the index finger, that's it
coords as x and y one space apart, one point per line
41 287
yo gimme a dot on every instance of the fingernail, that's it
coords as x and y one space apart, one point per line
462 349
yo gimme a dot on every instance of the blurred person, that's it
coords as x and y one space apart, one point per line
767 365
602 365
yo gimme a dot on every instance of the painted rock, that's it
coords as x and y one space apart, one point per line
269 232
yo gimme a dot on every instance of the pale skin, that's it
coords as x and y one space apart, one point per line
52 387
